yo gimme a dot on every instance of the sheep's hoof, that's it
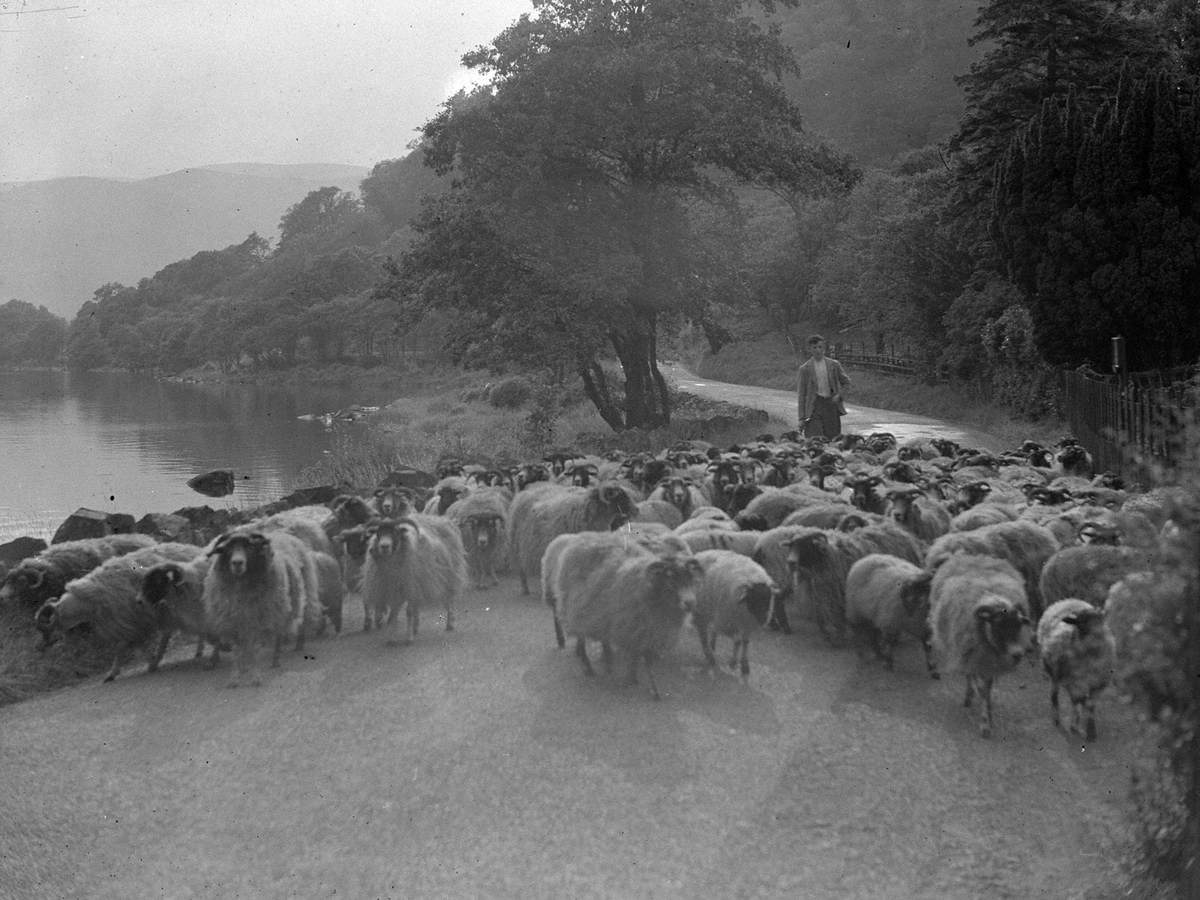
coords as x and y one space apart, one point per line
111 676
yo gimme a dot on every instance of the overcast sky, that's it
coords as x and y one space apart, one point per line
133 88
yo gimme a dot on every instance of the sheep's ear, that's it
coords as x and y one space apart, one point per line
258 539
174 574
379 492
985 613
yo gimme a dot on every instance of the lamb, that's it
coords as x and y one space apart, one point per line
979 622
174 594
680 493
886 597
107 599
636 601
734 597
542 512
912 511
819 562
1078 653
1025 544
34 581
482 518
260 586
412 561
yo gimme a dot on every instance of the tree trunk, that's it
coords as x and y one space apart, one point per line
647 404
595 385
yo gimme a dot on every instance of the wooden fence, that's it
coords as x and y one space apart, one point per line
890 361
1140 425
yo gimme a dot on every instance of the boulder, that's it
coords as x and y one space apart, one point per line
18 549
217 483
92 523
166 527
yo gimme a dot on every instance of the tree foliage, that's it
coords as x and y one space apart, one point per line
30 335
1097 220
573 229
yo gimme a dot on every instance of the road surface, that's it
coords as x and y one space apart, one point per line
781 405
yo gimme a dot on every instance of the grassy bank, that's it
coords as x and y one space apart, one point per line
768 360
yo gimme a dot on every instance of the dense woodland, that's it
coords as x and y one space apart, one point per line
1001 187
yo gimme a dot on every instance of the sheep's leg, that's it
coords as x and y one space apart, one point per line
581 652
449 616
241 651
706 645
368 615
985 696
159 651
558 633
524 583
1054 701
199 648
779 616
215 657
650 675
745 667
606 653
887 651
119 659
276 651
1088 705
300 638
927 646
970 692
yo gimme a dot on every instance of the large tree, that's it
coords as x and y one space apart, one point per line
1097 219
571 232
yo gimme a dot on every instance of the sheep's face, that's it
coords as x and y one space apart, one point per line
392 502
741 497
673 582
852 522
614 505
23 581
1085 621
350 510
530 474
863 489
483 531
1099 533
725 476
902 504
393 538
158 583
243 555
806 551
47 623
676 492
1004 629
974 492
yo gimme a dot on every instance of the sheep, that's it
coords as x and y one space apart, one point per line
912 511
776 504
707 518
34 581
482 519
569 554
636 601
979 623
735 598
984 514
331 591
885 597
353 543
657 510
260 586
830 515
819 561
682 494
542 512
307 523
389 502
107 599
410 562
1078 653
445 493
742 542
1087 571
173 592
1025 544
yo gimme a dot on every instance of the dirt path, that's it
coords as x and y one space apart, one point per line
781 405
481 763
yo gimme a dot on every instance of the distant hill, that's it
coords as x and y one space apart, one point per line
63 238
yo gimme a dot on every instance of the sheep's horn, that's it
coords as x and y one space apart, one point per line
39 576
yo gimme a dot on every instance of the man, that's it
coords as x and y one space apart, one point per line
822 382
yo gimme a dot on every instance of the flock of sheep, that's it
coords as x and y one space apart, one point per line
981 557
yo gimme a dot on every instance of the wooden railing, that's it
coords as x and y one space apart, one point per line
858 355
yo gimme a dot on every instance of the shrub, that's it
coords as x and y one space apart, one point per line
511 393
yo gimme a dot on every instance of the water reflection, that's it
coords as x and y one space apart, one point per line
120 443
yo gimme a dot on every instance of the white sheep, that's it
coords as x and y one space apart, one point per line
542 512
742 542
1025 544
734 597
261 587
412 561
636 601
1078 653
1087 571
43 577
658 510
979 623
106 598
886 597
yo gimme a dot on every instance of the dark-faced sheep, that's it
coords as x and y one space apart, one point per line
411 562
174 594
107 599
681 494
733 598
482 519
909 508
45 576
541 513
887 597
260 588
820 560
636 602
980 626
1079 654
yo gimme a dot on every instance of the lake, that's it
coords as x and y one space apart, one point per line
128 444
